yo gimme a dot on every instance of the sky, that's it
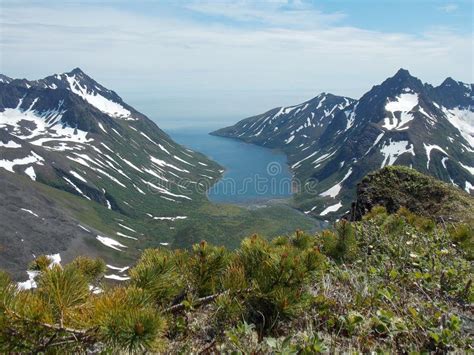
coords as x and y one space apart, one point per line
210 63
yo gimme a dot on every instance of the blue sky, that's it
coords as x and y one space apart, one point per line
210 63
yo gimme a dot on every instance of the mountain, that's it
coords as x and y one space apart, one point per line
292 126
401 121
82 172
5 79
71 133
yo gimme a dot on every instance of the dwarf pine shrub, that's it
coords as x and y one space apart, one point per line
391 282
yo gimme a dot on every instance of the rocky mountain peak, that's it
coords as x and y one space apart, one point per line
5 79
401 121
449 81
452 93
403 80
77 71
402 73
79 77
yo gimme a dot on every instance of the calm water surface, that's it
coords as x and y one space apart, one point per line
252 173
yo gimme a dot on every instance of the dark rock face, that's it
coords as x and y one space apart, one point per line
397 186
402 121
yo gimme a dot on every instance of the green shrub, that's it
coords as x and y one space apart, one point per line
40 263
340 244
157 273
92 269
389 283
463 234
206 266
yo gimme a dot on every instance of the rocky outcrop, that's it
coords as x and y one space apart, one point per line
397 186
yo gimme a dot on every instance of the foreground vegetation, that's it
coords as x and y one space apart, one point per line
389 282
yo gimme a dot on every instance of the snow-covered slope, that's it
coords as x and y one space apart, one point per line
72 134
401 121
290 126
71 130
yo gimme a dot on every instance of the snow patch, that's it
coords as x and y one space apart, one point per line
463 120
48 124
125 236
103 104
164 191
170 218
468 168
111 243
428 149
84 228
469 187
393 149
290 139
106 147
77 176
336 189
163 149
76 188
139 190
55 259
127 228
30 171
133 166
332 208
351 115
101 127
324 157
182 160
10 144
117 277
443 162
30 159
162 163
302 160
377 140
29 211
30 283
119 269
403 104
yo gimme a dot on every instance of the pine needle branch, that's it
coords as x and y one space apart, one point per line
201 301
57 328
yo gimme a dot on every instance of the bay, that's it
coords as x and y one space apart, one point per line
252 174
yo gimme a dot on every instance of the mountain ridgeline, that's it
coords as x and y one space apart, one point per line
84 175
82 172
70 133
336 141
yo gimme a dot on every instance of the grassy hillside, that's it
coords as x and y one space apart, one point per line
390 282
55 228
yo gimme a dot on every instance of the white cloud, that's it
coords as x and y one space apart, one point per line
216 69
449 8
275 13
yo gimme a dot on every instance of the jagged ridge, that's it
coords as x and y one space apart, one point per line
401 121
